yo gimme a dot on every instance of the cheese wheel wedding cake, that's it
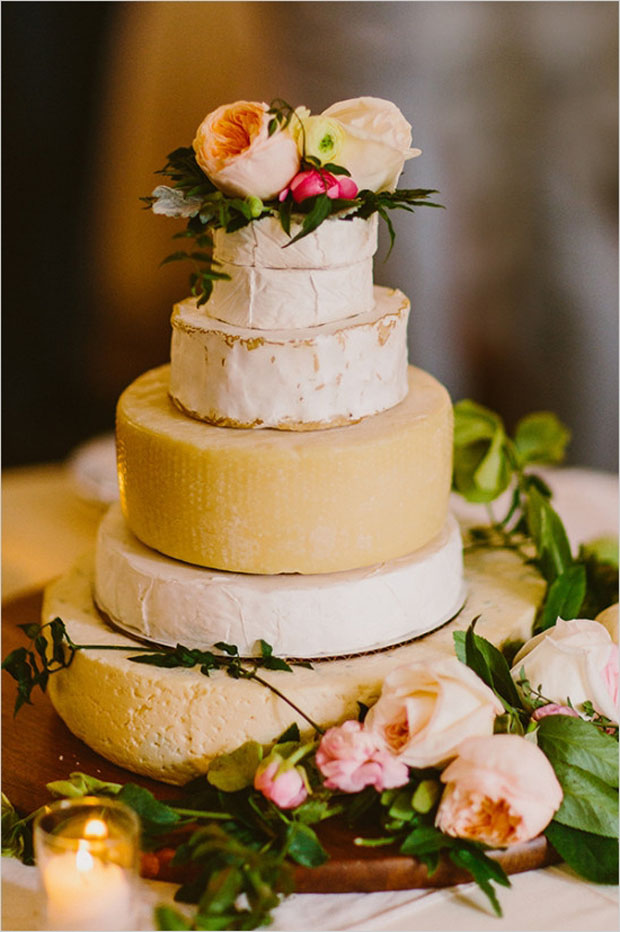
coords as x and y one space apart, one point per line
286 478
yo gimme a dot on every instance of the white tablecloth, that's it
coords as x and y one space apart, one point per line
46 525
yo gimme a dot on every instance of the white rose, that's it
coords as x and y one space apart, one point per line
426 710
377 141
573 660
234 149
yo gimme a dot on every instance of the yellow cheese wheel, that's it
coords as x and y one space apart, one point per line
271 501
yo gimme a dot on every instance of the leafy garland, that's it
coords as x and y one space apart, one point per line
194 196
238 848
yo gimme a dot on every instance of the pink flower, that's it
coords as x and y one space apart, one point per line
351 758
610 675
283 784
552 708
501 790
316 181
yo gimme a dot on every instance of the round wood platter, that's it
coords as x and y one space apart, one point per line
37 748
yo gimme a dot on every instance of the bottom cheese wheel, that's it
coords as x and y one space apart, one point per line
274 501
169 724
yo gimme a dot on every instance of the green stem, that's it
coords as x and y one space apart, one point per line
274 689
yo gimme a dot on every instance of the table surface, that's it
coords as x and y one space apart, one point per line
46 525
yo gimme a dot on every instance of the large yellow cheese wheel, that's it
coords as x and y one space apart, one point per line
271 501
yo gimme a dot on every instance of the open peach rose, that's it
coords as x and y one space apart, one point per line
501 790
426 709
375 142
234 149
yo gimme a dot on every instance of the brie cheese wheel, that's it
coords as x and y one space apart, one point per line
279 284
273 501
168 602
337 242
169 724
313 378
276 299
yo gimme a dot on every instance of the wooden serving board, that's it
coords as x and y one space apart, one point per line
37 748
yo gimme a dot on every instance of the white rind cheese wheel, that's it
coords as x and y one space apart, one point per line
314 378
278 284
272 501
169 724
279 299
153 597
337 242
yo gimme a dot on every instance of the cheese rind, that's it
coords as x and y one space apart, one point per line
281 501
169 724
153 597
275 299
290 379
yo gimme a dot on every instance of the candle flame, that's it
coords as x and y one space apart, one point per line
96 828
83 859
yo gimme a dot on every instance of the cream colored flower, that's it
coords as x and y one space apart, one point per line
609 619
322 139
377 141
234 149
501 790
573 660
426 709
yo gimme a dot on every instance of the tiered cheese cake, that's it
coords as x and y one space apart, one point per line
285 478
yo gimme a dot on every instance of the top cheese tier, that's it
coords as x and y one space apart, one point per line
277 284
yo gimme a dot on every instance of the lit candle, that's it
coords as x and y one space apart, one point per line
84 892
86 852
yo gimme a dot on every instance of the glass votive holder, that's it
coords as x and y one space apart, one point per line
87 852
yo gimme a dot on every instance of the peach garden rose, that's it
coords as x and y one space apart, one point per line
500 790
234 149
425 710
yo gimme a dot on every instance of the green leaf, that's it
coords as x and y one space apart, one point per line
482 869
564 597
303 845
235 771
488 663
16 834
589 803
541 438
549 536
424 839
222 890
574 742
320 208
150 810
482 470
168 918
81 784
593 857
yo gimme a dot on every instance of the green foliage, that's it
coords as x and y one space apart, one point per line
81 784
593 857
488 463
16 833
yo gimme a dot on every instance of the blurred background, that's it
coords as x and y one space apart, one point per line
515 105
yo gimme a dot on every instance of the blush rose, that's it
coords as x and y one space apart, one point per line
234 149
425 710
500 790
351 758
574 660
376 141
281 782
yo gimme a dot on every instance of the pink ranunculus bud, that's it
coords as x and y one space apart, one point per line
500 790
283 784
351 758
552 708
